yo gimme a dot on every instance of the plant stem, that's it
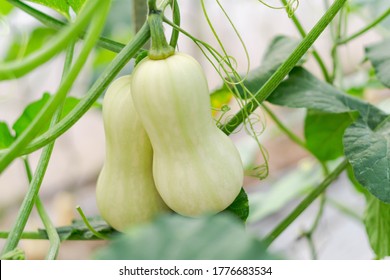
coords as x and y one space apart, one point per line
334 52
309 234
304 204
41 235
316 55
160 48
365 29
28 202
57 24
176 20
53 236
15 69
284 69
42 167
89 226
92 95
49 108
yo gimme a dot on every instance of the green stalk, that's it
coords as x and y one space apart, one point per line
41 235
57 24
284 69
89 226
316 55
15 69
92 95
160 48
304 204
53 236
176 20
32 193
365 29
47 111
336 73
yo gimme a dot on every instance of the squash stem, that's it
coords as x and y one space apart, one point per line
160 48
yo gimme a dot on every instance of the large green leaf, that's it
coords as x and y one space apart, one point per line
379 55
303 90
33 109
173 237
368 151
324 133
365 145
21 47
377 222
61 6
277 52
6 137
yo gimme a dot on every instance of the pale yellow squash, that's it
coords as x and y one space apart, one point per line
197 168
126 193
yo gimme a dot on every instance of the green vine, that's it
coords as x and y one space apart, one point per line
32 193
57 25
15 69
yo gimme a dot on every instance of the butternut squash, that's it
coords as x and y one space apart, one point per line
196 167
126 193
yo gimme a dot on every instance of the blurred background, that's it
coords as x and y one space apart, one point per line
79 153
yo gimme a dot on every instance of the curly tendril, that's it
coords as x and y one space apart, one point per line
290 7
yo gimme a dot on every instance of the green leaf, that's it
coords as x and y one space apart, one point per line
324 133
33 109
21 47
29 114
377 222
173 237
6 137
76 5
351 176
368 151
379 55
240 206
5 7
303 90
277 52
365 145
60 6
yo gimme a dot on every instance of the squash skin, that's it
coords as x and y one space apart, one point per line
196 167
125 192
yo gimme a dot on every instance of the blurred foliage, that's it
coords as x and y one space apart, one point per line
173 237
5 7
377 222
25 44
379 55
